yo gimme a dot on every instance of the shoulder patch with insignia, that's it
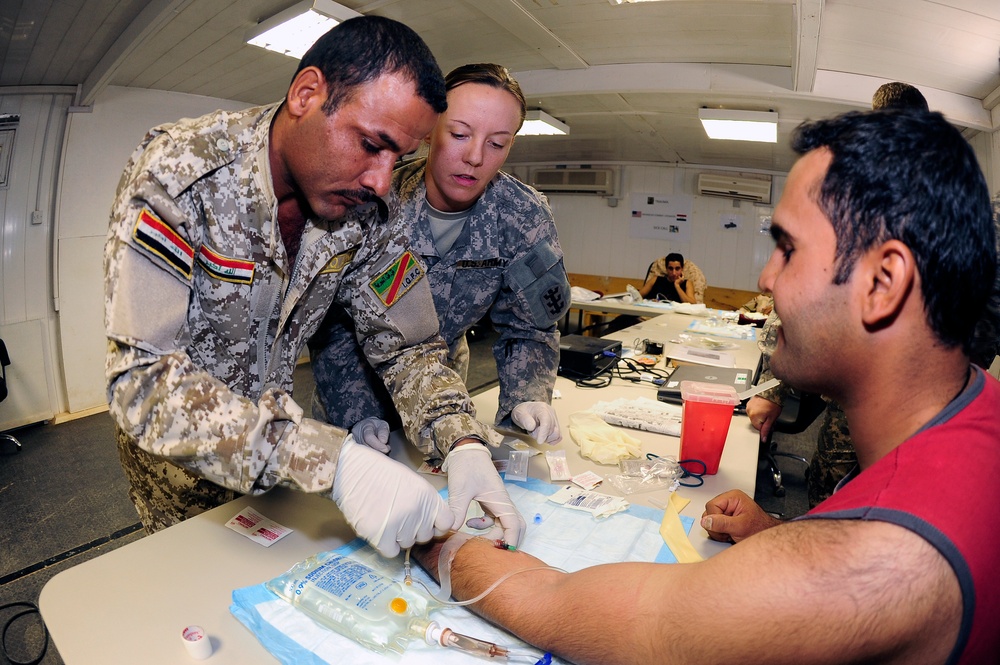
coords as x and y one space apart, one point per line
239 271
339 262
158 237
397 279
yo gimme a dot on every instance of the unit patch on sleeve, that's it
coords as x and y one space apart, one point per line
155 235
397 279
339 262
238 271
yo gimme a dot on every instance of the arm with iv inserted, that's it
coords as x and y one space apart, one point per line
785 595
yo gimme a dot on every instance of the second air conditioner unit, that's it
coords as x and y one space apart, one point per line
747 187
575 180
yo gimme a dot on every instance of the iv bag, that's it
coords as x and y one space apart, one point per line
354 600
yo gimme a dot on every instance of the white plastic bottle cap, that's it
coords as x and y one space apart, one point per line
197 642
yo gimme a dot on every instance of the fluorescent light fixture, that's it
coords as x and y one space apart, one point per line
733 125
538 123
294 30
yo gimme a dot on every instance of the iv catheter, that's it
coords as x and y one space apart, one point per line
446 637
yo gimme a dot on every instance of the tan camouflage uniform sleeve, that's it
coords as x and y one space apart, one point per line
175 396
397 326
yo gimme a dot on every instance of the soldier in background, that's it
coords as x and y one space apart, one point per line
231 235
490 246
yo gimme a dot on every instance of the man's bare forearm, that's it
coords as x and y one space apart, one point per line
547 608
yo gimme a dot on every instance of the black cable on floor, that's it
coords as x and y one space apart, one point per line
32 609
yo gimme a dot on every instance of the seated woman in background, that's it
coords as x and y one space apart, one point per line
665 281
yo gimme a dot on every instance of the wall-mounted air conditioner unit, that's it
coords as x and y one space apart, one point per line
575 180
748 187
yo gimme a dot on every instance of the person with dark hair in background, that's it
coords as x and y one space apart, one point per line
491 250
898 95
668 278
898 566
666 281
231 235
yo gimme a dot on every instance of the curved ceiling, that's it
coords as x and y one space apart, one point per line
627 78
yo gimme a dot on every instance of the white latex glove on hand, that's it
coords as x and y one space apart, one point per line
472 476
538 419
373 432
385 502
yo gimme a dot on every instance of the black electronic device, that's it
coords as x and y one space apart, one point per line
584 357
738 378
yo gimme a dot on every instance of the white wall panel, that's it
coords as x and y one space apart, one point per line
81 316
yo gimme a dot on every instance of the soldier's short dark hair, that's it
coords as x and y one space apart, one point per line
362 49
674 256
909 175
898 95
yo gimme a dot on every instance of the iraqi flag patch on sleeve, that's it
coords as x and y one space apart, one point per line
238 271
159 238
397 279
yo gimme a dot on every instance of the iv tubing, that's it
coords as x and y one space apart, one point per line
447 554
490 589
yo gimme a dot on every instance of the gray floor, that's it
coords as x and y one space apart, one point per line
64 500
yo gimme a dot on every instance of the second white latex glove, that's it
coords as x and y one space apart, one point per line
538 419
385 502
472 477
373 432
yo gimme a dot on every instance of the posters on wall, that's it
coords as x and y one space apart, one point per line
661 217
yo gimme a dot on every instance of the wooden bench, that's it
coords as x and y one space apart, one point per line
715 297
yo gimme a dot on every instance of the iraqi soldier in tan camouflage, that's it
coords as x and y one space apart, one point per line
231 235
490 245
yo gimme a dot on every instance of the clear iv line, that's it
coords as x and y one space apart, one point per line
489 590
446 582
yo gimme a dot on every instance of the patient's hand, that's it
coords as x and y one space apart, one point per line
733 516
762 414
